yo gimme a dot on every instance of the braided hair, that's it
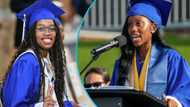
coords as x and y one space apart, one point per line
57 58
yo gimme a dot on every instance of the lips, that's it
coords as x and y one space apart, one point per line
47 40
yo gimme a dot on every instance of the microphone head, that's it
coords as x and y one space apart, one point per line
122 40
118 41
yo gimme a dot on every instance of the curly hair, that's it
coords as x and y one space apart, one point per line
57 58
127 53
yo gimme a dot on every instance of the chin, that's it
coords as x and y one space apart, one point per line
136 45
47 47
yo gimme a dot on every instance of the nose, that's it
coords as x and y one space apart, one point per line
132 28
47 31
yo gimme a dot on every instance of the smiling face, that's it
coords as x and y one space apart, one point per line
45 33
140 30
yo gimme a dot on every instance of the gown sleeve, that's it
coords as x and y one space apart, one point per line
178 83
115 73
22 85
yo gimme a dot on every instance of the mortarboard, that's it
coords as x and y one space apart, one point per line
41 9
155 10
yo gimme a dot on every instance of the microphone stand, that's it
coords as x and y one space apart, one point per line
94 58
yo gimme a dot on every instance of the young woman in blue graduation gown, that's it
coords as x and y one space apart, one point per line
36 75
146 63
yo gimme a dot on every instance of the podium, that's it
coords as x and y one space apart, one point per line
123 97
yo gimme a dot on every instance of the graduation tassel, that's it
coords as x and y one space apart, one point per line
23 28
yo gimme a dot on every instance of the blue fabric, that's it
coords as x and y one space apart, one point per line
141 9
22 85
168 74
115 73
157 71
178 79
139 65
67 104
41 9
158 10
39 15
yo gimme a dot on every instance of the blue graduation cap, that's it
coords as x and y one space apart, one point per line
41 9
155 10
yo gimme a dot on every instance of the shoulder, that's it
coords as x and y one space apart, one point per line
175 58
173 54
27 56
26 64
27 61
170 52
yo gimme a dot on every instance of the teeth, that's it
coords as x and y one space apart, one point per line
47 40
133 37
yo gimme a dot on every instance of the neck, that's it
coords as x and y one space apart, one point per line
142 51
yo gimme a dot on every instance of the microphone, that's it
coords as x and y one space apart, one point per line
118 41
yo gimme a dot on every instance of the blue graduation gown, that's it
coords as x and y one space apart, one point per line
178 81
168 73
21 88
22 85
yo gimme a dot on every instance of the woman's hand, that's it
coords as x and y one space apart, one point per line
170 102
48 100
